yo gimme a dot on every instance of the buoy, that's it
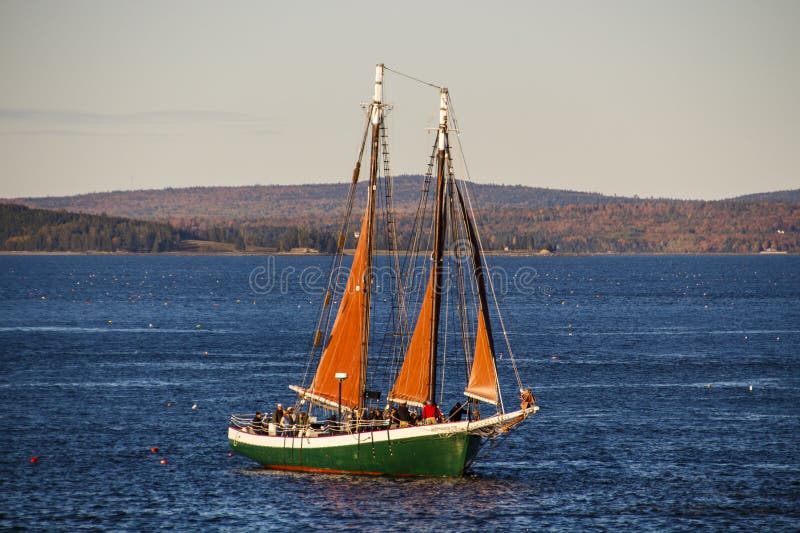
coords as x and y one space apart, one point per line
751 388
554 357
198 326
230 454
150 325
154 449
169 404
708 386
110 321
194 406
35 459
163 461
214 305
205 353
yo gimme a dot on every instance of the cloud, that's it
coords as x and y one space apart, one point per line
57 132
72 122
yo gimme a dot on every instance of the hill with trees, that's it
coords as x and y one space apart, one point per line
792 195
263 219
41 230
275 202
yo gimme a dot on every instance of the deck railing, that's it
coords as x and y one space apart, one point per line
246 423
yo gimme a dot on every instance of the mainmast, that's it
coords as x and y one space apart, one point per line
440 223
376 113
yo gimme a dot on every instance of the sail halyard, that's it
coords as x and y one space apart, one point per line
347 347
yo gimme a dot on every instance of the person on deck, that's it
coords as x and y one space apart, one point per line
287 423
277 415
403 416
393 421
258 423
456 413
431 413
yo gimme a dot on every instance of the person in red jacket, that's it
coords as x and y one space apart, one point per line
431 413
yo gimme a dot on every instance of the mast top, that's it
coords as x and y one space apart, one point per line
377 99
442 117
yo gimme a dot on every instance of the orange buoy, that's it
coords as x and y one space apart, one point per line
35 459
154 449
163 461
230 454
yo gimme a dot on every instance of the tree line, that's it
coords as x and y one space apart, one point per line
646 226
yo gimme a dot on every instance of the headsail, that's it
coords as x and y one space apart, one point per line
483 377
482 383
344 345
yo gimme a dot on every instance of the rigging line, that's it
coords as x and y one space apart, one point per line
455 234
480 243
324 322
413 78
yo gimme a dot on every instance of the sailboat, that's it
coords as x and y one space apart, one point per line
343 424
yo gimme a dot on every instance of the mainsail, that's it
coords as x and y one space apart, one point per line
414 379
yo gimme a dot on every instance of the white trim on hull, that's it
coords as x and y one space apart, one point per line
238 435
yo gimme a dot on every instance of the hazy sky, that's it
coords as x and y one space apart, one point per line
688 99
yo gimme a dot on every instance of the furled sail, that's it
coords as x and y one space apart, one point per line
483 377
343 351
412 382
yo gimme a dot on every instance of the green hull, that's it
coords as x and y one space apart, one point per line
428 455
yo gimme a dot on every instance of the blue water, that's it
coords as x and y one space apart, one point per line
642 367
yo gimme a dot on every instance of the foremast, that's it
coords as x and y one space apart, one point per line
346 351
376 116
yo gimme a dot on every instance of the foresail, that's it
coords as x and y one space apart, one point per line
412 382
483 377
342 353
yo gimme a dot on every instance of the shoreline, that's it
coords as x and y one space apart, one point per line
498 253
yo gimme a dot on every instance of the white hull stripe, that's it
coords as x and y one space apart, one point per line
237 435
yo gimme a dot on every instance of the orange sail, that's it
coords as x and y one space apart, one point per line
343 352
414 378
483 377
